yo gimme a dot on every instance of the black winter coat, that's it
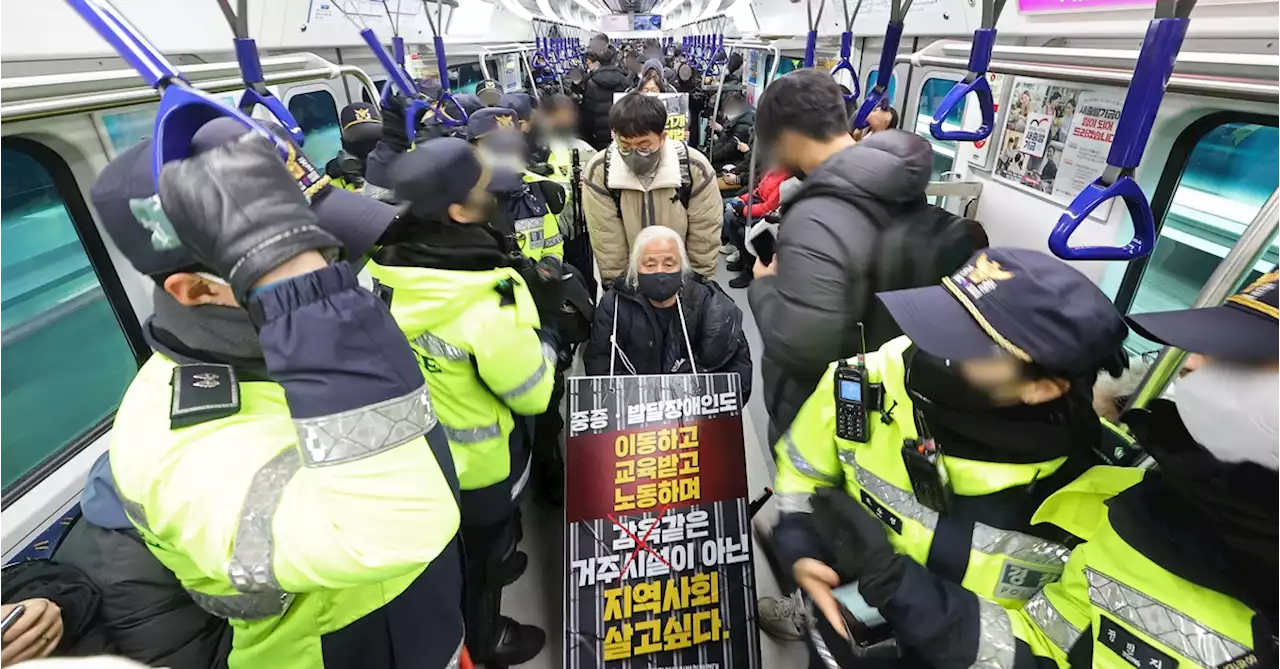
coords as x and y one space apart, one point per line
715 332
725 151
597 101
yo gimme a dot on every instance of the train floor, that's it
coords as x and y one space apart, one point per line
538 597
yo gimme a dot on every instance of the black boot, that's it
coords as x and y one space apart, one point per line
743 280
518 644
744 261
513 568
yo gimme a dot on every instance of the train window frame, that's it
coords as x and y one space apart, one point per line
1170 177
311 89
95 248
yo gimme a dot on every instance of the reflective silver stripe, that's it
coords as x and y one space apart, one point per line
441 348
794 502
521 482
135 512
820 646
369 430
804 467
529 383
472 435
244 606
901 502
252 568
995 541
995 637
1161 622
553 240
527 224
457 658
1060 631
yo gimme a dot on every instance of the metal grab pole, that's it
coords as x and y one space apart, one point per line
715 111
1224 281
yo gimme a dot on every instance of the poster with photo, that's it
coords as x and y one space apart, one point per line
1057 137
677 105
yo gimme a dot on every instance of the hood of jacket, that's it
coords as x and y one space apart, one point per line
439 245
892 167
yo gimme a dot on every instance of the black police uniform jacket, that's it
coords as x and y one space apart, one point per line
715 332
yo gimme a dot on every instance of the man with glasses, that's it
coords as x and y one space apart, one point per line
642 179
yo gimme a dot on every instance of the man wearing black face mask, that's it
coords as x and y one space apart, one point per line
664 319
455 291
1179 565
938 449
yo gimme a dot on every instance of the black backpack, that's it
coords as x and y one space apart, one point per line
921 247
683 193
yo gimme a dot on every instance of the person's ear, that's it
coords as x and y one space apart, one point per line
1041 391
193 290
459 212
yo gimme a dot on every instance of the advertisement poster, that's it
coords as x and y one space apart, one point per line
753 67
657 527
981 154
1057 137
677 113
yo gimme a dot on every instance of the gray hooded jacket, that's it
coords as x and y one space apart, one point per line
808 312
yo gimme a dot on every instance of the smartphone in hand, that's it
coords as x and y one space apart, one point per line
762 241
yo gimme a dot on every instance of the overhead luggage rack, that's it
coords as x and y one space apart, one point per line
1255 75
54 95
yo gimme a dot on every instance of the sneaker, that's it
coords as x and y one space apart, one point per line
742 280
734 256
783 618
726 249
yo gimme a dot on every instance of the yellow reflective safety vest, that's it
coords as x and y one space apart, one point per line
286 550
1133 611
475 334
344 184
1004 566
538 235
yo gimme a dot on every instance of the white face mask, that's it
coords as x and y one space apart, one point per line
1231 410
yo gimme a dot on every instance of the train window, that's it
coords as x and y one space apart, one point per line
891 91
65 360
1226 177
317 115
377 84
944 151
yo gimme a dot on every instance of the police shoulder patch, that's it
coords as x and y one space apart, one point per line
201 393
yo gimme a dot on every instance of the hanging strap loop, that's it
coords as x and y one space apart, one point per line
892 38
255 91
1141 104
846 50
811 40
442 65
183 109
984 39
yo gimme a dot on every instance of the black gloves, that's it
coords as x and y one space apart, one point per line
393 133
346 167
857 544
738 205
546 284
238 210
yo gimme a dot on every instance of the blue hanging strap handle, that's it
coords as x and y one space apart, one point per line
183 109
811 39
892 38
399 81
846 50
1141 104
442 65
984 39
255 90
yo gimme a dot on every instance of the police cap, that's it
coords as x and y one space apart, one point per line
1028 304
489 92
1243 328
496 128
439 173
520 103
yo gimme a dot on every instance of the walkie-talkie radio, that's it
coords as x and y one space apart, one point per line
852 391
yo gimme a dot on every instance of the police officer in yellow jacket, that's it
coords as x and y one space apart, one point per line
1179 565
458 297
949 438
361 127
529 203
279 452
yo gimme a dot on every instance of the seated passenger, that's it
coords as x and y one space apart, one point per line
883 117
996 370
60 605
732 141
361 130
765 200
663 314
644 180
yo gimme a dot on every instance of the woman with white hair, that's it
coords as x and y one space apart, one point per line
662 318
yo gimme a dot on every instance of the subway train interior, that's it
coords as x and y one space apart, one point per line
1057 72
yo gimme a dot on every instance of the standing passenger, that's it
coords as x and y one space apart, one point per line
597 96
361 130
271 452
643 179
